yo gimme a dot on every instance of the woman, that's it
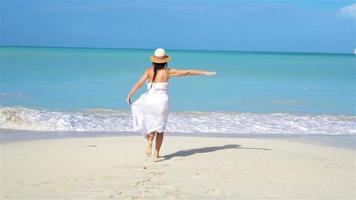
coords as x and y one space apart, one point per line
150 111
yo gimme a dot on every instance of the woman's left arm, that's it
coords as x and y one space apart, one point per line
137 86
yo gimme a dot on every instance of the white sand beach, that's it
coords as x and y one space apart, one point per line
191 168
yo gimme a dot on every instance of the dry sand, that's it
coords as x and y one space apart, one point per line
191 168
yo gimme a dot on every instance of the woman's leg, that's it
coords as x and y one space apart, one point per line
150 137
159 139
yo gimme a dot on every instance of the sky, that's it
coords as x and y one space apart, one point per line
326 26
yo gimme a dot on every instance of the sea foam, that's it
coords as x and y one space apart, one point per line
22 118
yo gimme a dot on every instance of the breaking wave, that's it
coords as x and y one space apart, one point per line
22 118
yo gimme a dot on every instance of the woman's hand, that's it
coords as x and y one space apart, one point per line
210 73
128 99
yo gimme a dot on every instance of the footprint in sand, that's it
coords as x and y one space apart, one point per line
197 175
213 191
142 182
157 173
42 183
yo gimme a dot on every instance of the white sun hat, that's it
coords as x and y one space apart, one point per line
160 56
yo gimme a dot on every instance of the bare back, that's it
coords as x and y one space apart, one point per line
161 75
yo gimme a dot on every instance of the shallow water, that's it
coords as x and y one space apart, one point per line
80 78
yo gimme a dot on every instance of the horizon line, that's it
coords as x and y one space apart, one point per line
173 49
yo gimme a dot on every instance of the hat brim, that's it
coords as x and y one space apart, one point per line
160 60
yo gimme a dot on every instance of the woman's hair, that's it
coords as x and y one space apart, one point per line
156 67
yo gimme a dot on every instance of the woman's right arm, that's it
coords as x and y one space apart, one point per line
137 86
187 72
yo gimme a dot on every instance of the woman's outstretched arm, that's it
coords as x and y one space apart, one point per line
187 72
137 86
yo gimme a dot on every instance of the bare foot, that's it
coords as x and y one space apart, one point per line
156 155
148 149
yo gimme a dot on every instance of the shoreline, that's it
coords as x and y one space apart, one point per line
338 141
215 168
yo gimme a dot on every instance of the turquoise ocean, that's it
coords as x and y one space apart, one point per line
84 89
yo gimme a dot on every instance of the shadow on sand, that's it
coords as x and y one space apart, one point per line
189 152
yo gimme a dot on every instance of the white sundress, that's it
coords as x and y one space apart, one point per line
150 111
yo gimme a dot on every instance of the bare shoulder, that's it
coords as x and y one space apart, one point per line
149 70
